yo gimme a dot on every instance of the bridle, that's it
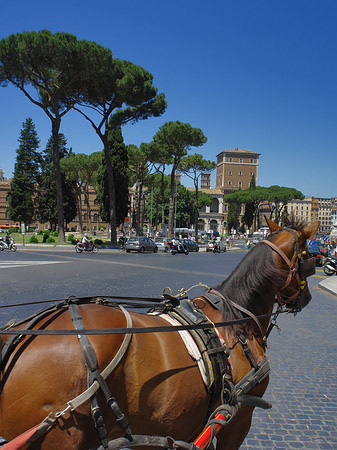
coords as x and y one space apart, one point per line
299 269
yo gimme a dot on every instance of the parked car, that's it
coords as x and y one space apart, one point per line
316 252
190 245
140 244
222 246
163 244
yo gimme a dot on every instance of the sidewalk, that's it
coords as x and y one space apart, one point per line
329 284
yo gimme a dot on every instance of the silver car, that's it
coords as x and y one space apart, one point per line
140 244
163 244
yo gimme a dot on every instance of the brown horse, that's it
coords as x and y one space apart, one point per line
156 383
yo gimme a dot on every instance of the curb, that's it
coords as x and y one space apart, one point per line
329 285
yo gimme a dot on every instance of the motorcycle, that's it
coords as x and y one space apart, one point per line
330 266
216 248
80 247
4 246
178 248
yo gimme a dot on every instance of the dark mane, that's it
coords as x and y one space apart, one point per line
251 282
292 222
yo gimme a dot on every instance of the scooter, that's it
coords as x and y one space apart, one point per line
178 248
4 246
80 247
330 266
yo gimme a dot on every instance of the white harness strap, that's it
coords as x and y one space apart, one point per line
190 345
77 401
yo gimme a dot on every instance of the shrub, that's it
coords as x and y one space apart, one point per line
40 232
55 234
46 235
50 240
98 242
70 238
34 240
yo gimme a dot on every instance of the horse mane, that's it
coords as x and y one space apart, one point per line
292 222
252 283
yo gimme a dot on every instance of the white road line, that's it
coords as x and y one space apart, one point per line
11 265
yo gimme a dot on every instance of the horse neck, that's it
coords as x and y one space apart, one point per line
252 284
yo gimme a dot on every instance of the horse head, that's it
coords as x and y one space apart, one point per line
291 255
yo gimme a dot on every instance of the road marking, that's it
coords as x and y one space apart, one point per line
11 265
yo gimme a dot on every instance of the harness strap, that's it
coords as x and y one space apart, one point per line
29 436
290 264
246 349
90 360
84 396
244 310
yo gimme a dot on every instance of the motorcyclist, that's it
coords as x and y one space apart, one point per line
215 245
8 239
86 241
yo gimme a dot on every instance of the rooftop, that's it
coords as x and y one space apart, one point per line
239 151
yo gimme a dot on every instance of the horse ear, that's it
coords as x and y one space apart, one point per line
272 225
310 230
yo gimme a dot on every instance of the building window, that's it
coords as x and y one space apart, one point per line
240 173
229 172
229 182
241 160
240 183
230 159
251 161
250 174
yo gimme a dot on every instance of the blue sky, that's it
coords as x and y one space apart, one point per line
254 74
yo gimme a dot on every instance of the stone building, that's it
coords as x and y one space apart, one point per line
235 169
89 223
315 209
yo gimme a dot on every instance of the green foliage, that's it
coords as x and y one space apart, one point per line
185 202
119 161
60 69
175 139
26 175
55 234
34 240
277 197
98 242
233 216
71 238
46 235
46 203
40 232
50 240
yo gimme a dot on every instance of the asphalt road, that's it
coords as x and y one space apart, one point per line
303 358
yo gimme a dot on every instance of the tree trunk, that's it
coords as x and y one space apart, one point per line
58 179
171 212
88 209
79 208
112 189
196 215
162 195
